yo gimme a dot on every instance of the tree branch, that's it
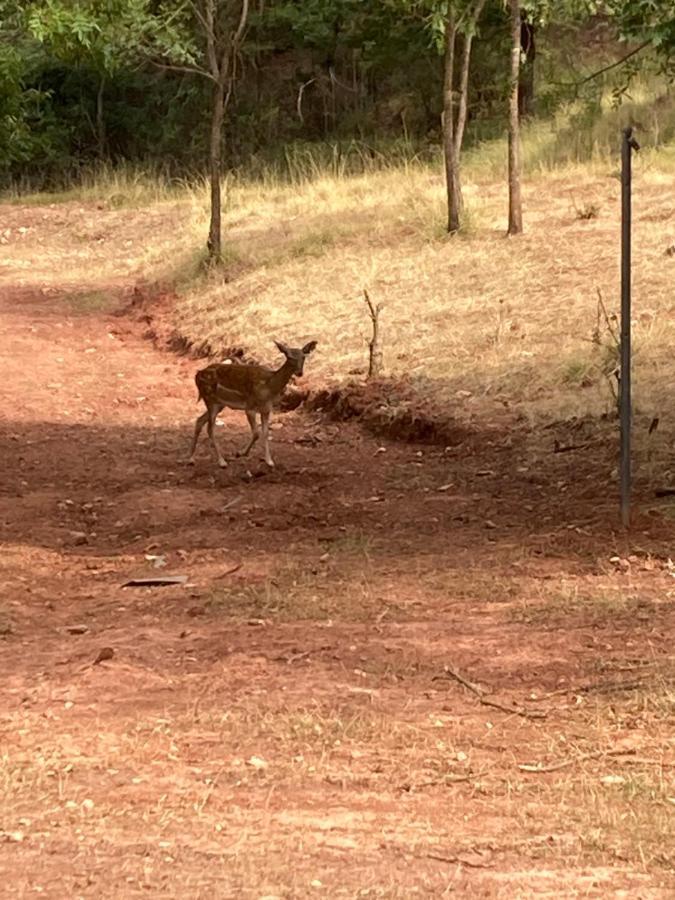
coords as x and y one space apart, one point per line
198 13
239 33
211 41
191 70
608 68
301 91
232 46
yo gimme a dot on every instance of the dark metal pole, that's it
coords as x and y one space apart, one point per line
629 144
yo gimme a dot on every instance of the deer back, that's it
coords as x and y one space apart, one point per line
253 385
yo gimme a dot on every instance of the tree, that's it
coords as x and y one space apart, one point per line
515 202
197 37
202 37
449 19
90 33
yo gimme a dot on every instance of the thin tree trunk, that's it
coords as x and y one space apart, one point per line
214 242
221 53
454 190
100 119
515 204
463 99
526 79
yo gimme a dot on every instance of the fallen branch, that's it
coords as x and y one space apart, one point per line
484 701
457 860
538 768
566 448
228 572
444 782
643 761
598 686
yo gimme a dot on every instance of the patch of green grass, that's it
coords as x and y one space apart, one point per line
85 302
314 243
578 372
296 594
569 604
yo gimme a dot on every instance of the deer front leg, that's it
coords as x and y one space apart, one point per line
199 424
255 432
212 413
265 422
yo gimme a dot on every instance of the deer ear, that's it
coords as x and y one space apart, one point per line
281 346
307 349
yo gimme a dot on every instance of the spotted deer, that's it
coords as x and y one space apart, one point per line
253 389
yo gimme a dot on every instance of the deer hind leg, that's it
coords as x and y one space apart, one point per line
251 415
211 413
199 424
265 422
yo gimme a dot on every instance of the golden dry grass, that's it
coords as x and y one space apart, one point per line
506 319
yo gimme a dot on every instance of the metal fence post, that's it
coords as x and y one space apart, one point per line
629 144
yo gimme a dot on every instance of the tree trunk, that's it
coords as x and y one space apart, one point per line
100 119
214 243
463 100
454 189
515 205
526 85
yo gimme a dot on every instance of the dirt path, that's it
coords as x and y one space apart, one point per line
283 725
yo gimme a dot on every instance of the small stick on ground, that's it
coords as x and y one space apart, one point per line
458 860
493 704
227 572
537 768
599 686
376 359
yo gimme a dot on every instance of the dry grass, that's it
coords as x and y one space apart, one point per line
510 321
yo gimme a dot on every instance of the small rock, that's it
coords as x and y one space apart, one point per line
103 654
14 837
79 537
258 763
77 629
613 779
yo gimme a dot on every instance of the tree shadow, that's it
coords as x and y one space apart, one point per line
102 489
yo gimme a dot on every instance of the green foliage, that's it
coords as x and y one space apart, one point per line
103 34
349 73
646 20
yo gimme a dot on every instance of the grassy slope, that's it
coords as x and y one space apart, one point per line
511 321
508 320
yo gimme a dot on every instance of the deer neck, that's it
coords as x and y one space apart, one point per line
280 378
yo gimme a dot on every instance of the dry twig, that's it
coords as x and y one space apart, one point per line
538 768
493 704
598 686
376 359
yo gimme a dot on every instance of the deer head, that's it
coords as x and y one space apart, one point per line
296 355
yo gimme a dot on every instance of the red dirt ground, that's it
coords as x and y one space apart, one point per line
285 724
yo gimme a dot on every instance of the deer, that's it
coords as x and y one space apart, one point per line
253 389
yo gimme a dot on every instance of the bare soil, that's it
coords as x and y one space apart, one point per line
288 723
